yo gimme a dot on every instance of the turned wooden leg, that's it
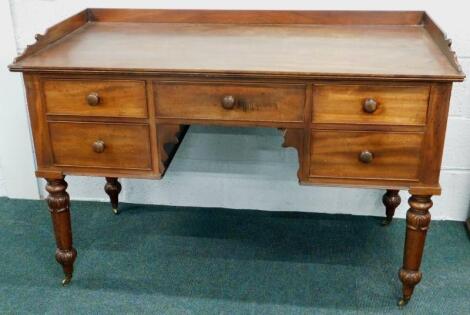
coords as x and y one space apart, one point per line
113 188
391 200
417 224
59 207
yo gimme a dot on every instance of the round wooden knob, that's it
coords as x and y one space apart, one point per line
370 105
228 102
93 99
366 156
98 146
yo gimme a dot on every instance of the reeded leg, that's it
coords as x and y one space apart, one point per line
113 188
391 200
418 219
59 207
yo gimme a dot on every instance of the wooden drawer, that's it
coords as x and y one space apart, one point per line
369 104
396 155
244 102
123 146
107 98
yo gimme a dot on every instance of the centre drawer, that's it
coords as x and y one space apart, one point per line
365 154
101 145
223 101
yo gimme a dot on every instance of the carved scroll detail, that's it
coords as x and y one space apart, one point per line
55 33
169 138
294 138
443 41
453 54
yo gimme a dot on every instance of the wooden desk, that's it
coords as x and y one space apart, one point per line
362 96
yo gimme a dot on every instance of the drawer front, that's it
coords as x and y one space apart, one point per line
356 154
366 104
111 98
119 146
252 102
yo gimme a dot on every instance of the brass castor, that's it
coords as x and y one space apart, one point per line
113 188
386 221
403 302
66 280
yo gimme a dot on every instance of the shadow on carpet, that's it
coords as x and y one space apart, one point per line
181 260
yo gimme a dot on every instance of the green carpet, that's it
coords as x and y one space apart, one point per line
176 260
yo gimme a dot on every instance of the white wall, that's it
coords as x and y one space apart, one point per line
16 164
247 168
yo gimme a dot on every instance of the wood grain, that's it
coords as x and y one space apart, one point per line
257 16
335 154
362 96
58 201
396 105
117 98
314 50
39 129
433 146
126 146
255 102
418 219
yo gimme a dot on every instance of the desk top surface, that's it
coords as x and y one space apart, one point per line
396 50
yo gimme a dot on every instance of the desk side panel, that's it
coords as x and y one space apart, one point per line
433 145
39 129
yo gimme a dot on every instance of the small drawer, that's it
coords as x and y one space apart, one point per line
220 101
106 98
370 104
117 146
365 154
